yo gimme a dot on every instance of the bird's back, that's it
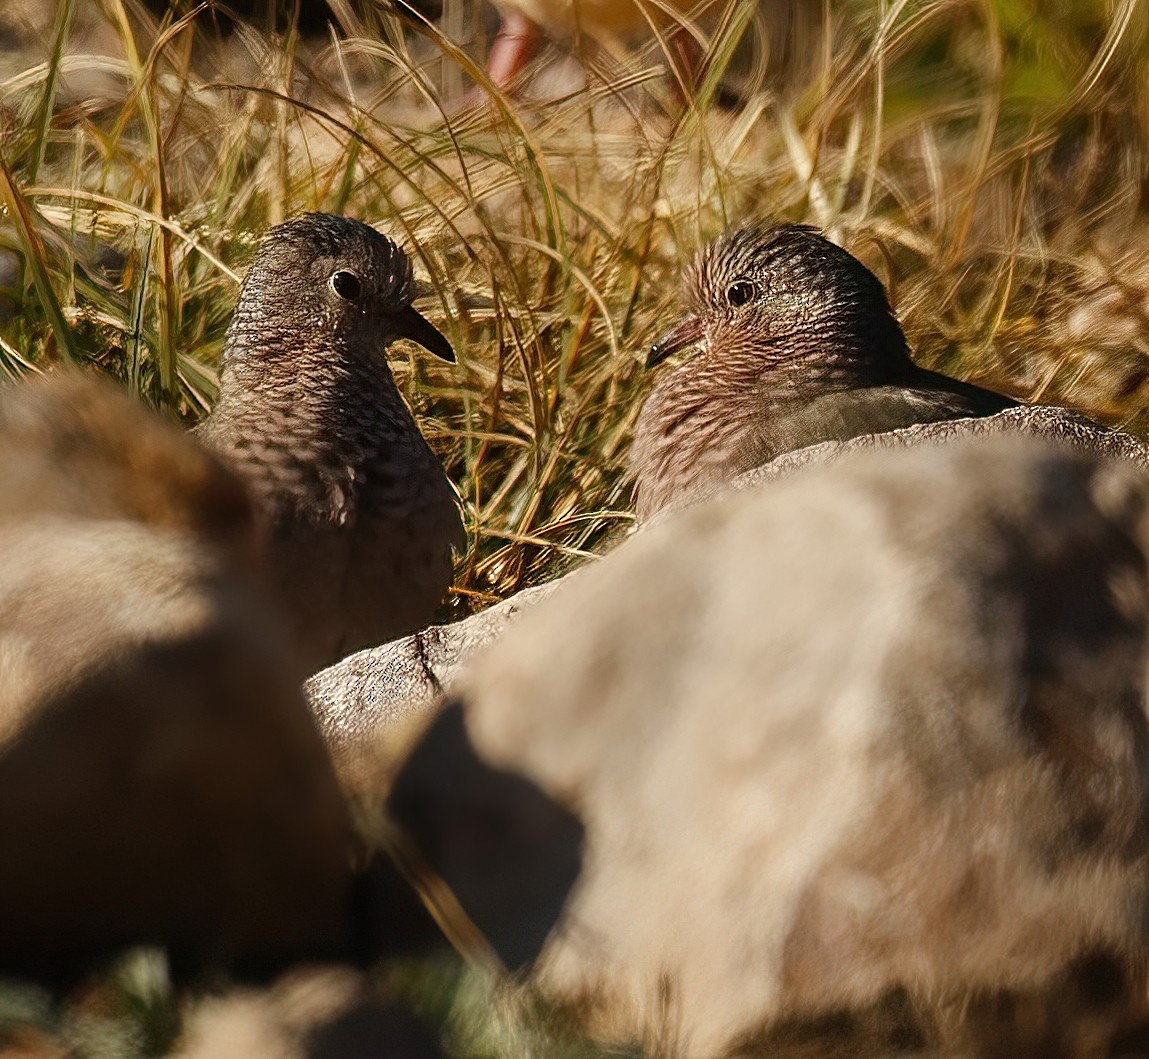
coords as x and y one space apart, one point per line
924 397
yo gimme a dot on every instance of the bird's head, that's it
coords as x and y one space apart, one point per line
772 297
329 280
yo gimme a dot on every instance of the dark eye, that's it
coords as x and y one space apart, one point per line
740 292
346 285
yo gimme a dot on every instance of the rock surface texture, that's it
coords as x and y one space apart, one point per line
161 779
874 731
377 689
388 686
360 520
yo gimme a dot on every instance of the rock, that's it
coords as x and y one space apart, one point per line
1057 425
874 731
161 779
509 852
311 1013
386 687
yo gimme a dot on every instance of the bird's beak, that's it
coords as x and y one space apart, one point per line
407 323
685 333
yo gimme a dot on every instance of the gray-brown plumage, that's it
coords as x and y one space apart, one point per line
798 344
359 516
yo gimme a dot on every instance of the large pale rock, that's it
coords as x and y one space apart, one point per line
161 779
876 728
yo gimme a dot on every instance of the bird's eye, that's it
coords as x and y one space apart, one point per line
346 285
740 292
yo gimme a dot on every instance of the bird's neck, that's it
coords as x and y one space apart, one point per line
788 370
720 415
829 361
689 425
303 430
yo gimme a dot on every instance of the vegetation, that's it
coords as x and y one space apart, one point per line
987 157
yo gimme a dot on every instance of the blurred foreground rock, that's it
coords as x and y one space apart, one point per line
161 779
874 732
311 1013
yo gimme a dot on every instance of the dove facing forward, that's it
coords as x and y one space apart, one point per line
359 517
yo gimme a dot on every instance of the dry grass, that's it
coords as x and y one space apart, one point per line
987 157
993 177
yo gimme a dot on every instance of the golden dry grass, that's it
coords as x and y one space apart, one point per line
993 179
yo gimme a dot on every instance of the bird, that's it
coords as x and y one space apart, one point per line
875 730
359 517
797 344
